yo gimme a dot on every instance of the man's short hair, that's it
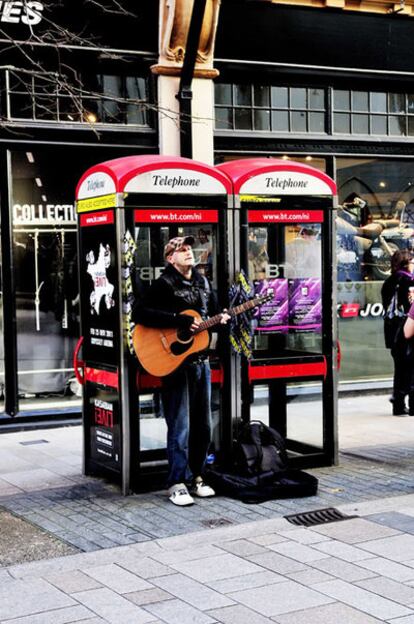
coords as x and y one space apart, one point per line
176 243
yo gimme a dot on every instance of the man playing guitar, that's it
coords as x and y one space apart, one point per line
186 392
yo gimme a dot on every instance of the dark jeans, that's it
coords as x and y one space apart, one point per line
186 399
403 382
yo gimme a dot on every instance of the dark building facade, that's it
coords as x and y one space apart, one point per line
331 87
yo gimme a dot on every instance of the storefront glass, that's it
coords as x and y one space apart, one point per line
46 274
44 248
375 218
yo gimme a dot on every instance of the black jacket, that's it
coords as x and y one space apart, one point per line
404 282
171 294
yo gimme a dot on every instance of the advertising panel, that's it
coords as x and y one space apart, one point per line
98 271
103 414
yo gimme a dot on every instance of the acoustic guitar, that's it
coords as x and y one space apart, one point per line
161 351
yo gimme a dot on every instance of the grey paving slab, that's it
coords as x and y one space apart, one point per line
238 614
116 578
216 568
191 591
7 489
242 547
328 614
361 599
73 581
389 569
343 569
113 608
148 596
56 616
303 536
343 551
409 619
247 581
398 548
299 552
178 612
146 567
400 521
388 588
280 598
31 479
277 563
31 597
186 554
269 538
309 577
354 531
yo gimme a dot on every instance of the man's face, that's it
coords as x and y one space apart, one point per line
182 258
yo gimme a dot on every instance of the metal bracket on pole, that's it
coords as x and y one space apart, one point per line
185 94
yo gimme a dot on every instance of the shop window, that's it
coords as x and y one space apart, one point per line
270 108
372 113
94 99
375 219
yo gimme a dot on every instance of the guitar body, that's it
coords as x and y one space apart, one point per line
162 351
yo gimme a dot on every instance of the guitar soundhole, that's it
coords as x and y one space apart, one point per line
178 348
185 335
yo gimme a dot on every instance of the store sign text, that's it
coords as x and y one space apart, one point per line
43 214
352 310
29 13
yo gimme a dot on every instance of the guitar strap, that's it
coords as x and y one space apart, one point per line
204 292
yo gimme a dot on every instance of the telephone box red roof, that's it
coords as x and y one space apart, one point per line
251 175
172 174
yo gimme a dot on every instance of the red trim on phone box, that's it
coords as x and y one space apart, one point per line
146 381
103 377
181 217
285 216
100 218
278 371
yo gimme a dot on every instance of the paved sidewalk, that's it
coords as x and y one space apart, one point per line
357 571
145 560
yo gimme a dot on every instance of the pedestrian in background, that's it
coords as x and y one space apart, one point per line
396 292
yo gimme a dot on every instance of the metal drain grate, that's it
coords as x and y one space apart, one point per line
30 442
319 516
213 523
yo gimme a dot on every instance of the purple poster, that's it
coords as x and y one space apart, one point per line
305 305
273 315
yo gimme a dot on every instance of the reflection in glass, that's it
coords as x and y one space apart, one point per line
224 118
396 102
280 97
397 125
261 95
378 124
223 93
360 100
298 98
243 95
280 120
316 98
360 124
342 100
262 120
298 121
243 119
378 102
316 122
342 123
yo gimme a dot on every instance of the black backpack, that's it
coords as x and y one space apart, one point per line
260 449
260 471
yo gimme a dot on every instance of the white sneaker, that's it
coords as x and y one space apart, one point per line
179 495
201 489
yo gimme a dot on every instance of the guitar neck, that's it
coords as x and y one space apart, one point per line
215 320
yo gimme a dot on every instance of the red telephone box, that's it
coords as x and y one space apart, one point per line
128 209
284 214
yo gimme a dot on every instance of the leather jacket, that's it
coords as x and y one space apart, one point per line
171 294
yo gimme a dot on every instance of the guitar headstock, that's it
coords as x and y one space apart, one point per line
265 297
